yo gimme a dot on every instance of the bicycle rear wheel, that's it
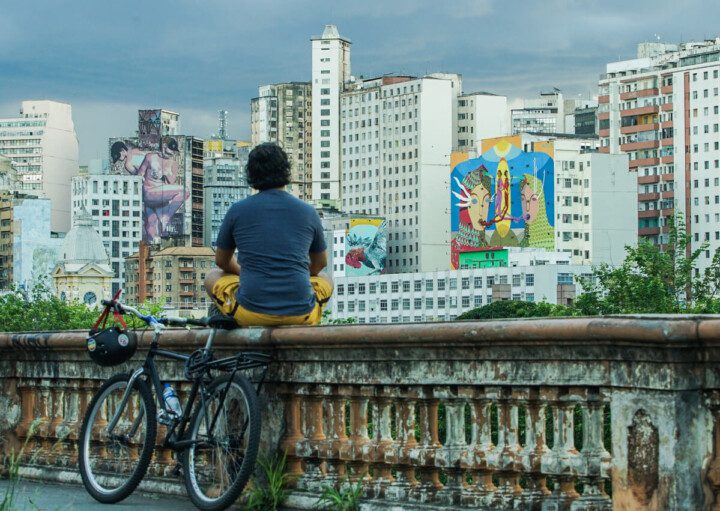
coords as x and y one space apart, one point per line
220 461
112 463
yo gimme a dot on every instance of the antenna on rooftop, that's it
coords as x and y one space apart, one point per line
222 124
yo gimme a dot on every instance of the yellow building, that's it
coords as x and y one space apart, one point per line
83 272
173 276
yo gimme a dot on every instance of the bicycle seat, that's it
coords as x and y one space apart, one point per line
222 322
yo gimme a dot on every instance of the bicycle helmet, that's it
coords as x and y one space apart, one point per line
111 346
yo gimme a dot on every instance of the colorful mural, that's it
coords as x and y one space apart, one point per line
504 198
365 247
160 162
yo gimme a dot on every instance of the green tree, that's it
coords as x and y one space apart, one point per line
654 279
516 309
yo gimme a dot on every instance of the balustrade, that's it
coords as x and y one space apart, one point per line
493 415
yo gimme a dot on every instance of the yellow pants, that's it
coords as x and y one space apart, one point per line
226 287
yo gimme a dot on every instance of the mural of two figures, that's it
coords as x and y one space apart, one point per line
504 198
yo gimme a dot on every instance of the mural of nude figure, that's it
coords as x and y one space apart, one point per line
163 195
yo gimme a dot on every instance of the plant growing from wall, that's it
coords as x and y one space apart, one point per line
345 498
270 493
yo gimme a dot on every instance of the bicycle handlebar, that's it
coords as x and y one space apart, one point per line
121 308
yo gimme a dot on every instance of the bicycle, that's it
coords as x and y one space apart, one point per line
217 439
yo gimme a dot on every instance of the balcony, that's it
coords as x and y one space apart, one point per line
604 133
426 416
668 159
666 124
666 89
652 213
638 127
652 196
605 149
648 231
641 162
647 180
637 146
603 116
604 98
641 110
667 141
666 107
638 94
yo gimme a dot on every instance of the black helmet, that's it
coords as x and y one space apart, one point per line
111 346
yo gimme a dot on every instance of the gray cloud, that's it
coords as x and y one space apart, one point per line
109 59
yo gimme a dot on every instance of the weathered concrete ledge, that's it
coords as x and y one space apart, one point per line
438 415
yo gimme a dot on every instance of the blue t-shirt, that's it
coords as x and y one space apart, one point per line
274 232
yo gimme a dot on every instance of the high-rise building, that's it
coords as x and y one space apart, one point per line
114 204
397 134
8 175
28 248
330 71
172 169
282 113
43 145
480 115
225 183
548 113
662 110
584 121
553 192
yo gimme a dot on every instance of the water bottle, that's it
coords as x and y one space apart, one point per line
172 402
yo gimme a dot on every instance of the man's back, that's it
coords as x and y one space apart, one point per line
273 233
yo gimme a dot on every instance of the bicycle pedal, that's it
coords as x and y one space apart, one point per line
177 471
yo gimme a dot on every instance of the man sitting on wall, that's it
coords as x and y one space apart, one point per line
280 251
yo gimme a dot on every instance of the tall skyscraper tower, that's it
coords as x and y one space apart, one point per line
330 70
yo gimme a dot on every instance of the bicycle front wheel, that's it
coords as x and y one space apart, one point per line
116 439
225 434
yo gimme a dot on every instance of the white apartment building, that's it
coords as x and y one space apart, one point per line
531 275
114 202
282 113
397 136
43 145
595 203
663 110
480 115
330 71
547 113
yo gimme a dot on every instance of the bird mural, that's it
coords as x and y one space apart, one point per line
367 253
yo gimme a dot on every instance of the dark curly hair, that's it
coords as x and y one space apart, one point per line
267 167
115 150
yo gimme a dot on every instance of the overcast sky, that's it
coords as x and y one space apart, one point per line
195 57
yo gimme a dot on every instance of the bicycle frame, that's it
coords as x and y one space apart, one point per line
177 428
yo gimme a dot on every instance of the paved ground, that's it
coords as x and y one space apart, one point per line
34 496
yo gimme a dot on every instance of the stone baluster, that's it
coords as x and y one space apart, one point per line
595 460
405 480
335 437
508 464
56 431
382 445
73 419
359 439
43 434
562 461
485 451
423 456
713 471
454 455
314 436
535 449
28 398
293 433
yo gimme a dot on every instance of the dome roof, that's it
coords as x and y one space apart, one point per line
83 244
